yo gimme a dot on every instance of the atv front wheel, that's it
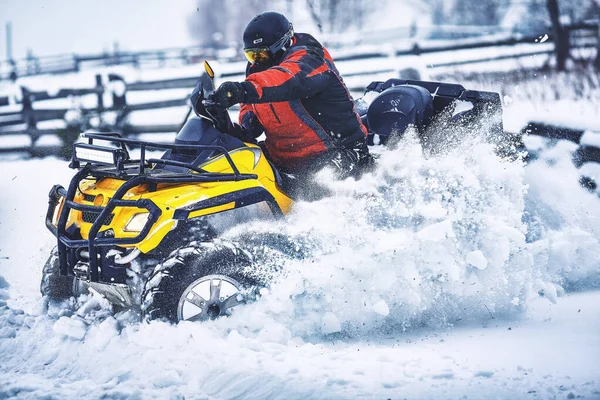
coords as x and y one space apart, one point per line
198 282
56 286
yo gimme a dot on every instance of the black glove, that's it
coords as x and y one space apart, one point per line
230 93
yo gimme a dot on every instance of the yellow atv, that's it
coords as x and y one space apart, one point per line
141 232
145 233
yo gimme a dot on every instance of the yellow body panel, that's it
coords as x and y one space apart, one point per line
170 197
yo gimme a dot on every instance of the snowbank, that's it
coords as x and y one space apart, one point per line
77 351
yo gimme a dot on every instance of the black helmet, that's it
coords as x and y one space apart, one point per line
265 35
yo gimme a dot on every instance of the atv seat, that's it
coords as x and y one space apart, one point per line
398 107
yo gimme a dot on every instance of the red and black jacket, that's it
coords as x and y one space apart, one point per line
302 104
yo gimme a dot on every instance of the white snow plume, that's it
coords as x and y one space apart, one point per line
418 242
395 249
425 241
6 328
563 219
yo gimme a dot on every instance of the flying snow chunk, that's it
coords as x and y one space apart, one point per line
274 333
72 328
100 335
546 289
433 210
437 232
462 106
3 283
381 308
3 291
477 259
484 374
330 324
544 38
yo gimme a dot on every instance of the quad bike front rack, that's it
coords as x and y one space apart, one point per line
116 163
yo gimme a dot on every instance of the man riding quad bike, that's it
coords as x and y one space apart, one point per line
145 233
294 94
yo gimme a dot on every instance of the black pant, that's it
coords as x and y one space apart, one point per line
345 161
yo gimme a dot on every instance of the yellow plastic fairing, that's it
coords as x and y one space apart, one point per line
127 222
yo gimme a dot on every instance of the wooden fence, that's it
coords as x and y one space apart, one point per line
29 120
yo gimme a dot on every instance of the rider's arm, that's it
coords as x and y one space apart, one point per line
302 74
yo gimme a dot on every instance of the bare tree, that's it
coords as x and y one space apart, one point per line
595 10
219 23
561 35
438 12
480 12
209 21
338 16
466 12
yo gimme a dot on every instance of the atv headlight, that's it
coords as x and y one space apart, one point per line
137 222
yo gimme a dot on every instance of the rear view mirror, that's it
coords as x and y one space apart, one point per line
209 70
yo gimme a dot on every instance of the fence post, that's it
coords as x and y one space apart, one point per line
416 49
75 62
29 115
118 91
184 56
13 71
100 96
30 64
99 93
118 88
597 60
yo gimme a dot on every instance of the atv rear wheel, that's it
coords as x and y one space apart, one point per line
198 282
56 286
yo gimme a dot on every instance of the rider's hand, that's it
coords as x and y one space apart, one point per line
230 93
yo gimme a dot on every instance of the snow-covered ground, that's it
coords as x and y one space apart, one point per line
459 276
549 352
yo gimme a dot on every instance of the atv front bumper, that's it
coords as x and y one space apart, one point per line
90 254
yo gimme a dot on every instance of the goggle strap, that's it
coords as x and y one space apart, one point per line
281 43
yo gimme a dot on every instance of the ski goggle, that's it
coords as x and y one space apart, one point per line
257 54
